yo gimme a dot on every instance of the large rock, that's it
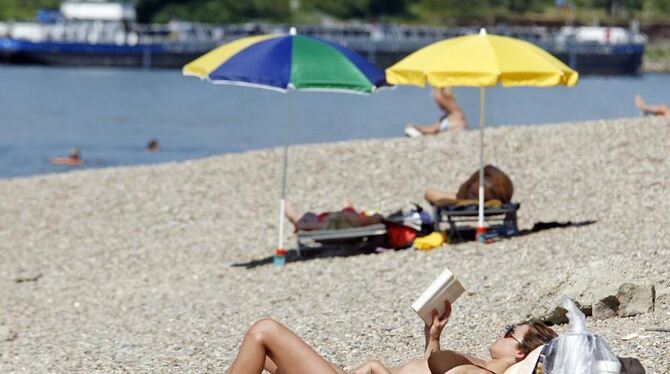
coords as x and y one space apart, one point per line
635 299
604 289
606 302
629 299
662 293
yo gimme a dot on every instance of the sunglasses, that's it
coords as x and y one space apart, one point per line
509 333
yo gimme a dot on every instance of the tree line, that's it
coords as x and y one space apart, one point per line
437 12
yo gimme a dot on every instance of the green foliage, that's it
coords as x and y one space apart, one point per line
360 9
661 6
454 8
24 9
421 11
213 11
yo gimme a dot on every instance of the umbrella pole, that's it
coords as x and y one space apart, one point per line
280 254
481 230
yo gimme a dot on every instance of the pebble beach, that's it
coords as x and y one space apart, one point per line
162 268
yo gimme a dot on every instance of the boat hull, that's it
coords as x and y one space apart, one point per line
105 55
615 60
585 64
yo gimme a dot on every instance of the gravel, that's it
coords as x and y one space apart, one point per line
134 269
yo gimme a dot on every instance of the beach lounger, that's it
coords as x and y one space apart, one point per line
356 238
455 212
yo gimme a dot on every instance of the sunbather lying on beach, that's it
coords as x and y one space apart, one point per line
348 217
497 185
453 118
655 110
271 346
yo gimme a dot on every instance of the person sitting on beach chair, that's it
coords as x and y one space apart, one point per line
453 118
269 345
654 110
497 186
346 218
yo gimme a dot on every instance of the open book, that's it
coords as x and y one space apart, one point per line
445 287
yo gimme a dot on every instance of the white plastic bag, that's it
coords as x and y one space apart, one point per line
578 351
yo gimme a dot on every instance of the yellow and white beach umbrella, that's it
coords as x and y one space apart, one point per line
482 60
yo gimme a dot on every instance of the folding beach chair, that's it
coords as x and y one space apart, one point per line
353 239
456 212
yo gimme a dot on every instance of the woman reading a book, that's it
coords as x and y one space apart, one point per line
271 346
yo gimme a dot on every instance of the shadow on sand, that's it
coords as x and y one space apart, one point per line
292 255
466 235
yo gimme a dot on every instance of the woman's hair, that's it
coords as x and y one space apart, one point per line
538 334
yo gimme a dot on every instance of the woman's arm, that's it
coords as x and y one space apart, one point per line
432 344
434 331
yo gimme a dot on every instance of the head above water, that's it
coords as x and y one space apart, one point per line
519 340
153 145
75 154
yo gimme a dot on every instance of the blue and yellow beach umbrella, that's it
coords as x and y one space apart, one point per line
287 61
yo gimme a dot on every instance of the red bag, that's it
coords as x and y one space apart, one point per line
400 236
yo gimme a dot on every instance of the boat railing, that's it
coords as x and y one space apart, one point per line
365 37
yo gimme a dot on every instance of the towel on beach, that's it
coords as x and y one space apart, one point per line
462 204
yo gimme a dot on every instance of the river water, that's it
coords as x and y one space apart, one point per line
110 114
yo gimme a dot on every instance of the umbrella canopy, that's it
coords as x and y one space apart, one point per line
282 62
481 61
287 62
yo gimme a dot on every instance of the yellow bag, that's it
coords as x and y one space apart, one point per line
430 241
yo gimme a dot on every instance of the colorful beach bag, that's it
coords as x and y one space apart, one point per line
399 235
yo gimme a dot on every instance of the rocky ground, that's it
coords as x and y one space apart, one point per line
137 269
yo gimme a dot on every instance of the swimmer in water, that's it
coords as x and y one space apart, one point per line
651 110
73 159
153 145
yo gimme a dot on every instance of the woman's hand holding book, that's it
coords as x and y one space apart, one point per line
434 330
439 322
